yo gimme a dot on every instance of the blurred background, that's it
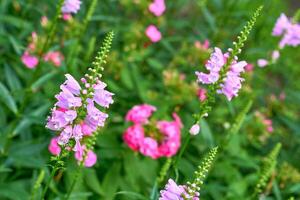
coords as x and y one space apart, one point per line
161 74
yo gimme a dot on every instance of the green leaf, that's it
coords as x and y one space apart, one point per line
133 195
109 187
7 99
36 85
92 181
11 78
206 133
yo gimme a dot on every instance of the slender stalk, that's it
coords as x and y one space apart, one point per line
73 182
37 184
54 170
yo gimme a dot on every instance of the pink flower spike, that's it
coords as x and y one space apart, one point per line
53 147
91 159
195 129
262 62
153 33
157 7
29 61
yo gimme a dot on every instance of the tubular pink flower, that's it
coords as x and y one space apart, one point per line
91 159
53 147
66 99
102 96
195 129
157 7
202 94
262 62
71 6
153 33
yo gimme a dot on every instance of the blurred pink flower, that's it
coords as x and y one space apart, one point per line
67 16
71 6
282 24
53 147
133 136
275 55
153 33
201 94
29 61
44 21
55 57
149 147
205 44
140 113
157 7
262 62
91 159
249 67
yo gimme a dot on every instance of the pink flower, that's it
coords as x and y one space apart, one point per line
291 37
44 21
201 94
55 57
249 67
65 135
282 24
149 147
95 118
140 113
214 65
91 159
157 7
102 96
153 33
71 6
72 85
172 191
195 129
67 16
29 61
262 62
67 100
232 82
204 46
60 119
275 55
53 147
133 136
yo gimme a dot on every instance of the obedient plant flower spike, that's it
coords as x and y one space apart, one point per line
100 59
193 188
267 170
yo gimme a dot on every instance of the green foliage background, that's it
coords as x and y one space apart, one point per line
135 74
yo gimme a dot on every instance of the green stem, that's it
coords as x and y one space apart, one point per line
74 182
54 170
37 184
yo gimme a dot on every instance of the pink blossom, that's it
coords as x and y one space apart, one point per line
153 33
172 191
149 147
29 61
53 147
102 96
95 118
71 85
262 62
140 113
91 159
291 37
282 24
65 135
202 94
133 136
214 65
157 7
71 6
275 55
249 67
59 119
204 46
232 82
195 129
67 100
55 57
67 16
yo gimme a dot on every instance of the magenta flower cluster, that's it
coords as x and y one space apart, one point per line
231 84
173 191
75 116
289 30
152 138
